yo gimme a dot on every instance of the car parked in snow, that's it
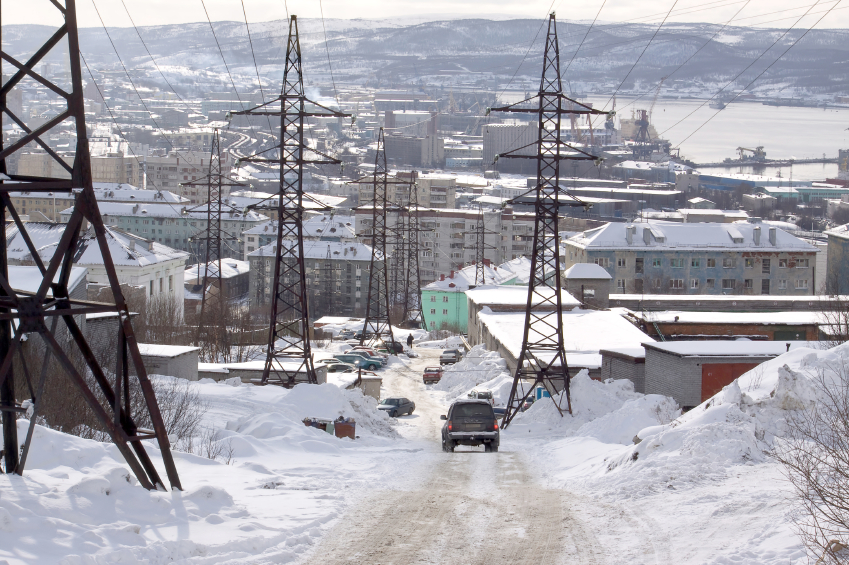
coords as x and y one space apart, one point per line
397 406
450 356
340 368
432 375
360 359
483 395
470 422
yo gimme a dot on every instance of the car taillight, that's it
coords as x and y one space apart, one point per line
450 425
495 425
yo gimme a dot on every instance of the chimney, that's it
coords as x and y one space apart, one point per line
756 235
150 246
442 277
451 276
132 245
486 262
772 236
646 236
629 235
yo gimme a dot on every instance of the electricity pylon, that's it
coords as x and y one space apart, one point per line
542 360
289 353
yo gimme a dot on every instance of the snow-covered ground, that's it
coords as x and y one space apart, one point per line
625 479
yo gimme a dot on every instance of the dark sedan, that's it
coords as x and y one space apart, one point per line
397 406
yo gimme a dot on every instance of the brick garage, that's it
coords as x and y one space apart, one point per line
625 363
693 371
769 326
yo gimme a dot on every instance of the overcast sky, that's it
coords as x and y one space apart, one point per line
761 13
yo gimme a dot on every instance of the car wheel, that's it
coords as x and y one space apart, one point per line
372 367
449 446
493 447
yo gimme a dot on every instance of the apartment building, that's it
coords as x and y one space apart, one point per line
434 190
659 257
177 226
505 137
321 227
427 151
448 236
345 264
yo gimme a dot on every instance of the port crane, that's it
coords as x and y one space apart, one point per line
757 154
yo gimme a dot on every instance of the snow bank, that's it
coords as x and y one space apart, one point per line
453 342
481 369
610 412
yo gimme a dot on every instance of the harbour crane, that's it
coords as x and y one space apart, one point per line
757 154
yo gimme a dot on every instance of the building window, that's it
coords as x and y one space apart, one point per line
782 263
748 284
638 265
433 298
676 284
433 325
151 288
676 263
782 284
696 263
620 262
655 262
729 262
445 312
161 286
170 283
764 286
445 299
694 283
620 284
728 284
765 265
802 284
711 263
433 310
710 283
750 263
602 261
802 263
656 283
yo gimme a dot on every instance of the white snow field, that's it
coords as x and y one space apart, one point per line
695 489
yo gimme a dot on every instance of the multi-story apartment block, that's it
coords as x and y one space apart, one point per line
448 237
175 225
501 138
40 206
345 264
434 190
321 227
837 278
658 257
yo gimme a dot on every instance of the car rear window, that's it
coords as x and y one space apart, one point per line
473 411
432 369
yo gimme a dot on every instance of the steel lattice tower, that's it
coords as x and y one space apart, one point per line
412 300
24 314
289 314
480 247
327 294
542 360
377 304
211 323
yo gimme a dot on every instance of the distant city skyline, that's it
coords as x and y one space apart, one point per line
760 13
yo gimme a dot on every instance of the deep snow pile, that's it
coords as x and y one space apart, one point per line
610 412
266 499
356 324
481 369
452 342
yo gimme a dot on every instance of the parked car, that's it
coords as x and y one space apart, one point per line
432 375
328 360
360 360
483 395
450 356
370 350
470 422
397 406
340 368
499 411
346 334
394 347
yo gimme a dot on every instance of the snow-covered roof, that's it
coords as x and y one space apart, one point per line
678 236
157 350
584 331
586 271
741 348
760 318
159 210
839 231
242 198
42 235
28 279
323 225
314 249
229 268
113 192
516 296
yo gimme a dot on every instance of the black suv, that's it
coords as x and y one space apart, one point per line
470 422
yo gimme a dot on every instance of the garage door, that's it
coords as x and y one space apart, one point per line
717 375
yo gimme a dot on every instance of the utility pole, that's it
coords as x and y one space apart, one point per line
480 234
412 300
211 335
23 315
289 353
542 360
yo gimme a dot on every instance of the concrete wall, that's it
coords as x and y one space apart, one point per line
183 366
616 367
837 280
248 375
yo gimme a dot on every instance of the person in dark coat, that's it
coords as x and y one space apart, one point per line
410 340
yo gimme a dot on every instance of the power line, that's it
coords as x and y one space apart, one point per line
509 82
789 47
641 54
327 48
256 68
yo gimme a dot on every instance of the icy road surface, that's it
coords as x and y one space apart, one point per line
468 506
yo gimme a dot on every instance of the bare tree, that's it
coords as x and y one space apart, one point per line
834 320
815 455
